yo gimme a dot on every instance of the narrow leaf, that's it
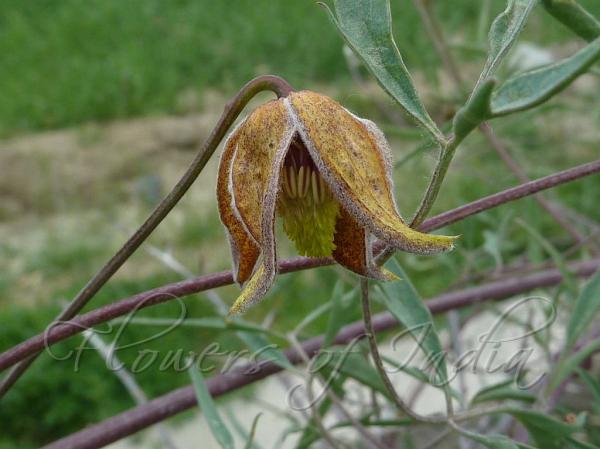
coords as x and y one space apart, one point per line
490 441
263 349
355 366
504 32
403 301
534 87
500 392
592 383
420 375
572 362
366 26
572 443
250 441
311 317
340 312
208 407
574 16
548 432
585 311
247 436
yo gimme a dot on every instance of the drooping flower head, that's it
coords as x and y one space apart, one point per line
327 174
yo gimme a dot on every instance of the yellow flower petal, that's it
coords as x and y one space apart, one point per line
254 290
266 131
351 156
266 136
244 249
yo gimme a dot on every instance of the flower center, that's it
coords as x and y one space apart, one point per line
306 204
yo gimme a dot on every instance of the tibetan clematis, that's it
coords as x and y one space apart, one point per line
327 174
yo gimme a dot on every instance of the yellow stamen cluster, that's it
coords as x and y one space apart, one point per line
308 209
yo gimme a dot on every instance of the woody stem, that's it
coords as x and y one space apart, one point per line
262 83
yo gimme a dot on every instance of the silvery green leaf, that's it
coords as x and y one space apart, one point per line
572 443
585 311
366 26
534 87
502 391
572 362
548 432
356 366
403 301
504 32
265 350
574 16
205 401
340 313
490 441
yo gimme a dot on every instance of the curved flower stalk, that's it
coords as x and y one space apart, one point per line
327 174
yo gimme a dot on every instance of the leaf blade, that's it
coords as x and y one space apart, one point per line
574 16
586 307
504 32
340 312
414 315
572 362
536 86
265 350
501 391
548 432
490 441
205 402
355 366
366 26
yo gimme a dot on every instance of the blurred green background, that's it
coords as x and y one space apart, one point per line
103 103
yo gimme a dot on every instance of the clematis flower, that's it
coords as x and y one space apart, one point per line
327 174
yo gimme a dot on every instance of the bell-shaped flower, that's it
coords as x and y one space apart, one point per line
327 174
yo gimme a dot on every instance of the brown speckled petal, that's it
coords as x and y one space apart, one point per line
266 131
263 210
350 156
353 251
244 250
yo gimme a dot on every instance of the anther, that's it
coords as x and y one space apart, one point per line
292 182
306 185
300 188
315 187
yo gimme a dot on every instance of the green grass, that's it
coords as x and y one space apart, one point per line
68 62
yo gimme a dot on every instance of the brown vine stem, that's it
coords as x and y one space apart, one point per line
520 174
163 407
268 82
520 191
371 337
59 331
